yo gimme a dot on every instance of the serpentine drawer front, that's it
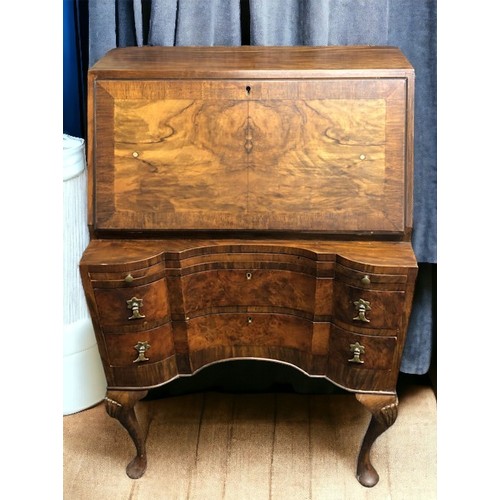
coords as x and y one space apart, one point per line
251 202
207 291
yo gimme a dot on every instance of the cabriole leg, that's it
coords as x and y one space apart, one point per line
120 405
384 410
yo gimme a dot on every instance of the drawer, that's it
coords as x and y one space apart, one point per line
135 349
367 308
128 277
256 330
132 308
377 352
204 291
363 362
366 279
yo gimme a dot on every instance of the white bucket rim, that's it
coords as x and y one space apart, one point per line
74 156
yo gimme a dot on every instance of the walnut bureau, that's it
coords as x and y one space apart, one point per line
251 202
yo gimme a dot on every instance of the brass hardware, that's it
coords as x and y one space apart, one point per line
112 401
357 349
365 280
249 276
362 306
141 348
135 154
249 320
129 278
134 303
362 157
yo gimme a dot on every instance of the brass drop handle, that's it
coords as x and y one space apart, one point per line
365 280
249 276
141 348
357 349
362 307
249 320
129 278
134 303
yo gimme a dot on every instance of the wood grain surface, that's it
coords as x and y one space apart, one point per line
214 300
241 202
325 156
234 446
252 62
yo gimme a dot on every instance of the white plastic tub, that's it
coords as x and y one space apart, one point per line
84 380
83 375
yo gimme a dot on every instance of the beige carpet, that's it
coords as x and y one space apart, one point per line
215 446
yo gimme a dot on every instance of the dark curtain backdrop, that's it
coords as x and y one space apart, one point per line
408 24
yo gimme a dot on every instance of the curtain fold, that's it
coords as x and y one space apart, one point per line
408 24
163 22
358 22
412 28
208 23
275 23
137 12
418 349
102 28
319 22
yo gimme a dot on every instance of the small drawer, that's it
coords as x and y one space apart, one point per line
204 291
367 308
132 308
374 352
135 349
361 362
127 277
366 279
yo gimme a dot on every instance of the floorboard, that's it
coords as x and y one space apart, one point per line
228 446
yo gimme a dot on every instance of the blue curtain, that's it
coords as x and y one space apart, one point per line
408 24
72 73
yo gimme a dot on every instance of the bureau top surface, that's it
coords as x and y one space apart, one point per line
251 62
376 253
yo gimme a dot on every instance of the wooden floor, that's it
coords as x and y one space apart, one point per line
215 446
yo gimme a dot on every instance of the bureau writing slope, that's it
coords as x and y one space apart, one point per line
251 202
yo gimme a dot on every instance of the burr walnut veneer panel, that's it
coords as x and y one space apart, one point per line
247 155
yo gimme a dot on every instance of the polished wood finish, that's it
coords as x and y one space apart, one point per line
120 405
301 141
251 202
209 300
384 411
294 156
250 61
